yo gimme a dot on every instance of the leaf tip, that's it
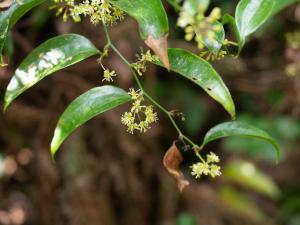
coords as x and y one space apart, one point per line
56 142
160 48
53 150
5 105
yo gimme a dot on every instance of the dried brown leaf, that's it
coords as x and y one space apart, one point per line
172 161
160 48
5 4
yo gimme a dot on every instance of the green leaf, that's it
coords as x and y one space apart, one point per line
53 55
251 14
239 203
85 107
281 4
149 14
203 74
247 175
237 128
214 45
11 15
153 23
185 219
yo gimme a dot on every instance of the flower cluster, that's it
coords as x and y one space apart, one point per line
142 59
207 167
97 10
140 116
293 42
210 56
199 27
108 75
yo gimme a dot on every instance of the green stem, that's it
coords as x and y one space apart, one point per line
181 135
199 156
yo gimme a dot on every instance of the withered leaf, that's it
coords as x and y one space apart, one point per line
160 48
172 161
5 4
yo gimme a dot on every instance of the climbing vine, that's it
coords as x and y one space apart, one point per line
201 24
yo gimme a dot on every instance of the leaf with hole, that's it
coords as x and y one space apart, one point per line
201 73
153 23
238 128
53 55
9 16
85 107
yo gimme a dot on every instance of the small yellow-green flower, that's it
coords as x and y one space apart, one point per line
200 168
212 158
200 27
215 171
207 167
127 118
108 75
142 59
97 10
140 116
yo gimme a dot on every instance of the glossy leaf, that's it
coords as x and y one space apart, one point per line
281 4
84 108
215 44
153 23
247 175
251 14
256 149
237 128
9 16
150 15
53 55
203 74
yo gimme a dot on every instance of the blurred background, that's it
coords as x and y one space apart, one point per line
105 176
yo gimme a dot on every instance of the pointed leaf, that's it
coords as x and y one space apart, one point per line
153 23
10 16
53 55
84 108
203 74
160 47
251 14
248 175
241 204
237 128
